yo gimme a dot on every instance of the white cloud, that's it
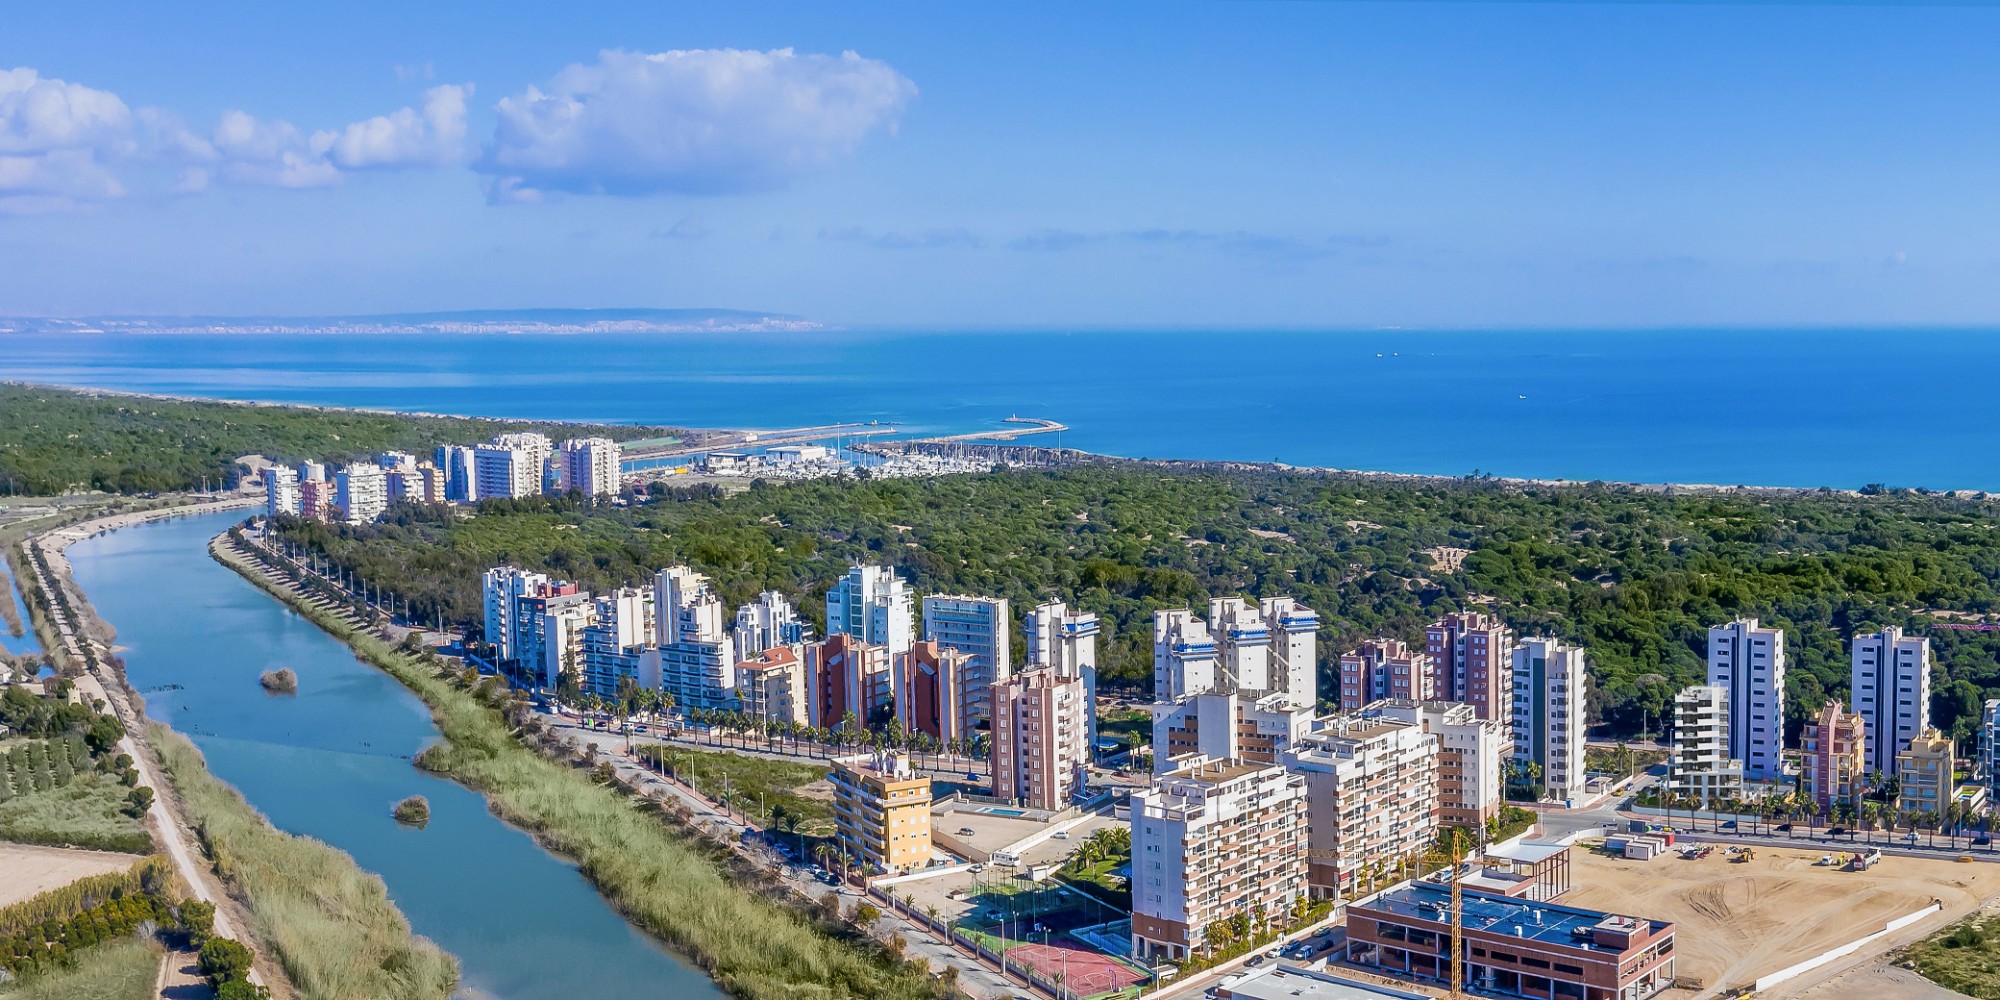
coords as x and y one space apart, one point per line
55 140
704 121
65 145
408 138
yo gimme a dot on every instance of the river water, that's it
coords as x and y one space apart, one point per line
331 761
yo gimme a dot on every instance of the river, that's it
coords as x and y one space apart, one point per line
331 761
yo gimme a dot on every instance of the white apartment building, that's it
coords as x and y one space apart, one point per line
1185 660
1471 752
281 491
693 658
1242 644
981 628
512 465
1210 841
1041 743
1294 650
589 465
615 641
1372 796
1891 692
1065 641
1989 748
1549 713
1701 768
874 605
768 621
1747 660
1225 725
361 492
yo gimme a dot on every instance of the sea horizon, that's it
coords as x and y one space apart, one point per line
1710 406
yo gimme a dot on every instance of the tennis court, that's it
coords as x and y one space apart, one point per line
1032 922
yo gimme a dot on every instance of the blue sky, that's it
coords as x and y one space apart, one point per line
1287 164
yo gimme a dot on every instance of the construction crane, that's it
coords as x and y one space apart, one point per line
1447 852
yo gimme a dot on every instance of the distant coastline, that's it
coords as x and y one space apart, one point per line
484 322
1182 464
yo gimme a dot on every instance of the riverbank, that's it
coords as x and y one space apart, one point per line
322 928
746 935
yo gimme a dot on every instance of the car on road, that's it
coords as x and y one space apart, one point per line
1729 824
1259 960
972 775
1783 828
1060 835
1982 840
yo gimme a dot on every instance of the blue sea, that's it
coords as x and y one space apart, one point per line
1840 408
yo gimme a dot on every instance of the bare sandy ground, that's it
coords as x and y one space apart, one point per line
1736 922
27 871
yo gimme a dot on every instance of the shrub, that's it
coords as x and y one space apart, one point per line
413 811
224 959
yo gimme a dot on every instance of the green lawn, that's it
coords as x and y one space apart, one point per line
121 970
778 781
87 812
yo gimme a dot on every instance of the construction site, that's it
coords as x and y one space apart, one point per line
1749 915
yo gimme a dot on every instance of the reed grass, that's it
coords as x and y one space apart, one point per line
664 881
330 924
122 970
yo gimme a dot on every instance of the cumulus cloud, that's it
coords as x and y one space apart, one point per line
434 136
57 141
280 154
64 145
703 121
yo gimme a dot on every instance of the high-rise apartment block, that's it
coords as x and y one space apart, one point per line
315 499
1471 752
932 684
1472 660
1891 689
1065 641
982 628
1214 691
766 622
694 659
1211 841
360 492
281 491
1989 747
459 465
1836 768
588 465
1701 769
615 642
1184 656
882 812
1747 660
874 605
1549 721
1294 650
1381 669
512 465
846 676
1040 737
1372 788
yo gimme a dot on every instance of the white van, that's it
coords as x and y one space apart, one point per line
1008 858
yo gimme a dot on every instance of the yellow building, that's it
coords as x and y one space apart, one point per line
883 811
1923 770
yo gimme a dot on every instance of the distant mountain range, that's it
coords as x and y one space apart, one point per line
486 321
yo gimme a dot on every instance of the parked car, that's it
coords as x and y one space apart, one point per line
972 775
1060 835
1982 840
965 831
1260 960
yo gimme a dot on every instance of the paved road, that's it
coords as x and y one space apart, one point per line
164 818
